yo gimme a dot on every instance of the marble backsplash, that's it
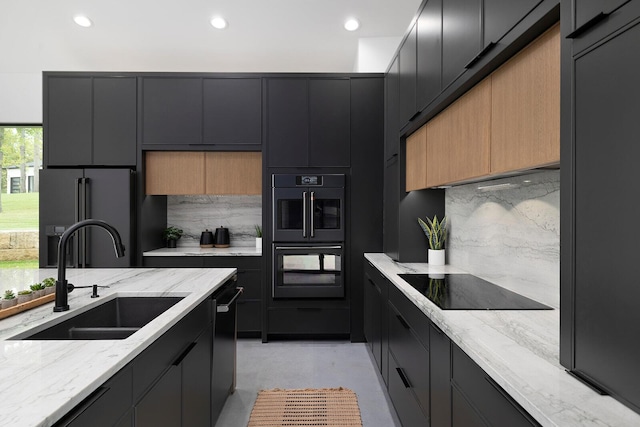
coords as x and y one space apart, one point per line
194 214
508 230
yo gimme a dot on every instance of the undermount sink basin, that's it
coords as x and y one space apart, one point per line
115 319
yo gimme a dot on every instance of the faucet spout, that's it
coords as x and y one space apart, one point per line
62 287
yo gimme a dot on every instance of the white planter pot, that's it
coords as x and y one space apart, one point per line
258 242
436 257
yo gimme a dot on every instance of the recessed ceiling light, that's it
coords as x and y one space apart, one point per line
351 24
82 20
219 22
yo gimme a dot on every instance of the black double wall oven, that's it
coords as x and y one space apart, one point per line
308 235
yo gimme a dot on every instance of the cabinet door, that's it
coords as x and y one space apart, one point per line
233 173
586 10
461 36
416 160
525 107
174 172
463 413
403 399
161 406
373 319
458 138
501 15
196 382
171 110
440 369
407 69
287 122
114 121
68 117
429 53
232 111
606 148
391 216
329 124
392 111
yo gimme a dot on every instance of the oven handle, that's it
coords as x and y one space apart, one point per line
313 208
307 247
304 214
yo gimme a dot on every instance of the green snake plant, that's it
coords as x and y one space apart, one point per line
436 231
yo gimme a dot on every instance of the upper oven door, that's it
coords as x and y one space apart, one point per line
308 214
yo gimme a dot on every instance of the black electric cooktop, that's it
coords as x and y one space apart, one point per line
468 292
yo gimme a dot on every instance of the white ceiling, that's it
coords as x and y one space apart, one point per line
170 35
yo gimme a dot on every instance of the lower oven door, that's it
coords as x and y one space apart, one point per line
308 271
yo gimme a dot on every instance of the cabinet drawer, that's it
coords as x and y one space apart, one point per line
403 399
161 354
105 406
415 318
308 321
411 356
251 281
485 395
249 316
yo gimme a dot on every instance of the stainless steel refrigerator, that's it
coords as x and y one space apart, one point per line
71 195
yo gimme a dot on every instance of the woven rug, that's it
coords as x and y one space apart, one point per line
332 407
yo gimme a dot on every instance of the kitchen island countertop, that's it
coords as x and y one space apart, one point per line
519 349
43 380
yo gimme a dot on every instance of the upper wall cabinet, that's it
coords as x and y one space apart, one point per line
308 122
89 120
525 107
391 114
407 69
461 36
429 53
416 160
194 111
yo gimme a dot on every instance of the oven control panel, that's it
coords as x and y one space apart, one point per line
309 180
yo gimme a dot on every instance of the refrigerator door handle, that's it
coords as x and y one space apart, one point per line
312 213
304 214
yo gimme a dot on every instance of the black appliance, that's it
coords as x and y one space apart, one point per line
302 271
308 208
68 196
468 292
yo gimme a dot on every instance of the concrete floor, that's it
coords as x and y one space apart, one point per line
307 364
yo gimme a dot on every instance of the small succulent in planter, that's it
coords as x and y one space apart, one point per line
24 296
171 235
37 289
49 285
258 237
9 299
258 230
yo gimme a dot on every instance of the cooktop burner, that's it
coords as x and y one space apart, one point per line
468 292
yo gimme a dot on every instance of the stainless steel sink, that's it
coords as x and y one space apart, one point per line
115 319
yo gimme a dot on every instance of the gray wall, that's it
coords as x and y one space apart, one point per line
509 234
194 214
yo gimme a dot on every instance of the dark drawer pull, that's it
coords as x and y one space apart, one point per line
184 354
224 308
479 55
587 25
403 322
404 378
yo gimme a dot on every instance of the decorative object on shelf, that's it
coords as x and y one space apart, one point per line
436 232
222 239
206 239
9 299
171 235
49 285
24 296
258 236
37 289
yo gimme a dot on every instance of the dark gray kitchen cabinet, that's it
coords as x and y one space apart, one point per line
392 111
407 72
588 13
429 53
501 15
172 110
308 122
197 381
232 111
391 195
491 402
463 414
161 404
440 371
600 321
89 120
376 323
461 36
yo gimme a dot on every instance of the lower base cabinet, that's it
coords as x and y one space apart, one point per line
161 405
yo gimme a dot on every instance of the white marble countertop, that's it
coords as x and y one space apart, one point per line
40 381
519 350
189 250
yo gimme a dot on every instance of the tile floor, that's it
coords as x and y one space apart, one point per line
307 364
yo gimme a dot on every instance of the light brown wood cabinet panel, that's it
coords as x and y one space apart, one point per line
233 172
416 160
525 114
458 138
174 172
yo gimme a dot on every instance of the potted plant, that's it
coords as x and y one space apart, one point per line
171 235
24 296
49 285
9 299
37 289
436 232
258 236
